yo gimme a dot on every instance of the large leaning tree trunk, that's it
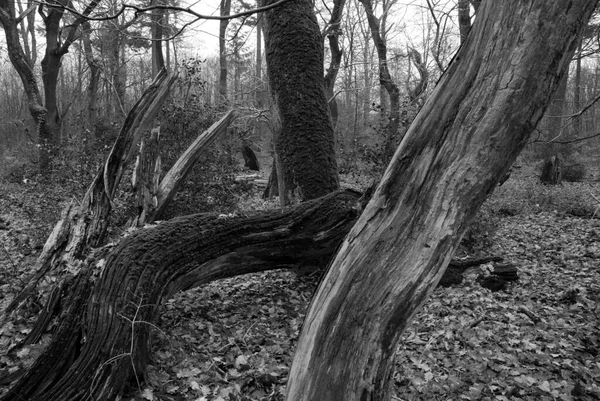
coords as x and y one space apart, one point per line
102 340
304 138
462 142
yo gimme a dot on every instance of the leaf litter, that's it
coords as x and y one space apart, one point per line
234 339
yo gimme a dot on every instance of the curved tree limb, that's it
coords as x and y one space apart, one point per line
93 354
187 10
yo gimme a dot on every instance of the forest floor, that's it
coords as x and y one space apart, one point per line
234 339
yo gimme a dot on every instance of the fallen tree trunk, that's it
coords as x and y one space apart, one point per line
101 342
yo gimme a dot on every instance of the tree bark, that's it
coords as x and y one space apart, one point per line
332 32
157 17
551 171
92 89
94 353
553 121
177 174
577 123
258 91
225 10
464 19
419 88
294 55
463 140
145 179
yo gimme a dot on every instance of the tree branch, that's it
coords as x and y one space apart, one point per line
141 10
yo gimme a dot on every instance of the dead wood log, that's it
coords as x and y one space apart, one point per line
551 171
454 273
250 159
102 339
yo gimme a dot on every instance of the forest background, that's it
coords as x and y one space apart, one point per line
420 37
362 142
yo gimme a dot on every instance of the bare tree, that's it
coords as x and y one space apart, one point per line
58 39
332 32
157 18
225 10
385 79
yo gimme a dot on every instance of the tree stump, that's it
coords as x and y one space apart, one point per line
551 171
250 159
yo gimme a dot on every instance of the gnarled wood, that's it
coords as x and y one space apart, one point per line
90 356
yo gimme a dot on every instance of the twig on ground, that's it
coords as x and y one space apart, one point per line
534 318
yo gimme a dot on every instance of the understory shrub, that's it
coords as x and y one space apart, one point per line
574 172
527 195
480 234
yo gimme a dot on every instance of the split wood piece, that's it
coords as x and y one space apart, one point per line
177 174
506 271
454 273
466 263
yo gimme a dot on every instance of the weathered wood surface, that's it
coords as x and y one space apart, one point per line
101 342
464 139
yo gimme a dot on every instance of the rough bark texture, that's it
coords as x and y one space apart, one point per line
157 18
463 140
294 54
145 179
102 340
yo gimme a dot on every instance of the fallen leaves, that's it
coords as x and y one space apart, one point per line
234 339
538 341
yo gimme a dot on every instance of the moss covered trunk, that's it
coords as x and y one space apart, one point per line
294 55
